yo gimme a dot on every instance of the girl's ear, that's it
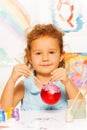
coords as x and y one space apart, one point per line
62 60
61 57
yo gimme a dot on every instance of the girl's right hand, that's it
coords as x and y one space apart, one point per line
20 70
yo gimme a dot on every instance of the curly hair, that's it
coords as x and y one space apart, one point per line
42 30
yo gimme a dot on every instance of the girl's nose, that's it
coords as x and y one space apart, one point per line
45 57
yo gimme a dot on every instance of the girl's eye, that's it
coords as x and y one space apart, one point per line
38 53
52 52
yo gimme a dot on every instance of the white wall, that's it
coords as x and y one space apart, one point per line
38 12
5 72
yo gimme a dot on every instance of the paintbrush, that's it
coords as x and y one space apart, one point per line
30 73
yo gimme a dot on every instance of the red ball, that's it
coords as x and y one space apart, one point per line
50 93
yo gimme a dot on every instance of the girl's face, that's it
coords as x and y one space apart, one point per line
45 55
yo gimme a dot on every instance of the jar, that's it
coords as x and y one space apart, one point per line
2 116
15 114
9 112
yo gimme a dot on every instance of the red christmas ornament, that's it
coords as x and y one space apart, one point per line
50 93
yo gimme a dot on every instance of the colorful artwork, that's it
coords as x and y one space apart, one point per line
76 64
66 14
5 59
14 16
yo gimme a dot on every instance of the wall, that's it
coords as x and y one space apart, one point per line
4 75
17 15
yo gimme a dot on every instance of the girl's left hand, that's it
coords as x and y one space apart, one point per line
59 74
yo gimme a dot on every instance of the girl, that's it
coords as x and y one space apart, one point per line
45 55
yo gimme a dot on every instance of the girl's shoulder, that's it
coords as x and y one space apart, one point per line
28 79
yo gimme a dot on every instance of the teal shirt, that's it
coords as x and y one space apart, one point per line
33 101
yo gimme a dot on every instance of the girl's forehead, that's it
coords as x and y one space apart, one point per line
45 41
45 45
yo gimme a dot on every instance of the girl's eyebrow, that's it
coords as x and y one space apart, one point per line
42 50
36 50
50 49
53 49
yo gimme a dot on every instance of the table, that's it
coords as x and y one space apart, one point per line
45 120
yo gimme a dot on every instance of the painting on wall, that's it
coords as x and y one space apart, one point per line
76 63
71 18
14 19
17 15
67 14
4 58
14 16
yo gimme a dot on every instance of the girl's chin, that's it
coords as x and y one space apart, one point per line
45 73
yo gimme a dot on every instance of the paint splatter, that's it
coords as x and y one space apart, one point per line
66 15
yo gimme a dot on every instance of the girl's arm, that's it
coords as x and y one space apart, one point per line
61 74
72 90
12 94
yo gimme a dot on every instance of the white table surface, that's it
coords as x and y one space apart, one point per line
44 120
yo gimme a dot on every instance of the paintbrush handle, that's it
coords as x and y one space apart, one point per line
30 73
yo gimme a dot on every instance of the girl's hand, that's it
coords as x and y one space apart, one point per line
59 74
18 71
